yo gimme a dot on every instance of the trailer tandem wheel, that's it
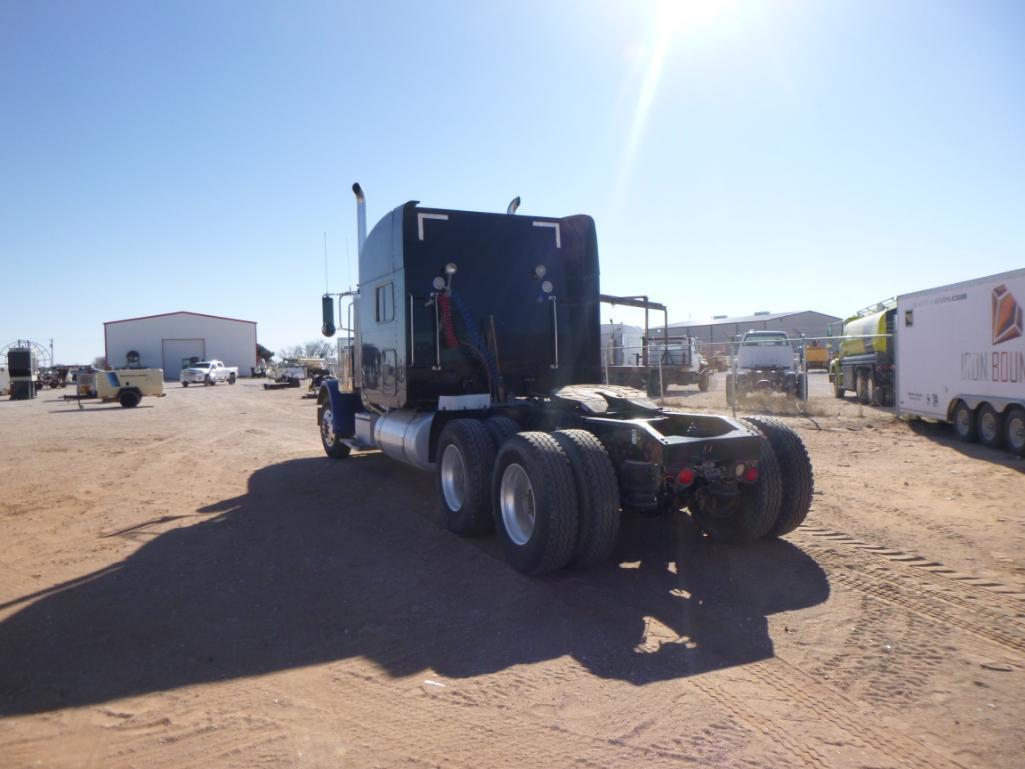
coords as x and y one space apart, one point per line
796 474
748 516
465 458
965 423
990 426
535 503
1014 430
597 496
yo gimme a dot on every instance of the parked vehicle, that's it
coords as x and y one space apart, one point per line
961 358
678 362
765 362
865 364
209 373
125 386
493 392
816 356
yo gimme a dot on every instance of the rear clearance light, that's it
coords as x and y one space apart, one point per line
751 474
685 477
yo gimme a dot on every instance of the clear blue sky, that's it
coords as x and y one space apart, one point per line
736 156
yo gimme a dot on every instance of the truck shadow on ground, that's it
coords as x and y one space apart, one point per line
943 434
322 561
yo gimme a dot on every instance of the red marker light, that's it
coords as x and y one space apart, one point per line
685 477
751 475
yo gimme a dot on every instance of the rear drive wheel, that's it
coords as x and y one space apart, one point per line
965 424
796 474
1014 430
802 386
535 502
129 400
500 429
597 496
704 380
464 461
333 445
990 426
861 387
875 392
751 513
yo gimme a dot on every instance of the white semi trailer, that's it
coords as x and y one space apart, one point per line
961 358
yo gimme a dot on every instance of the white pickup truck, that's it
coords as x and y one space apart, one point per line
765 361
208 372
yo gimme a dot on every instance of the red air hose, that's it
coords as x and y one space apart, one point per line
446 321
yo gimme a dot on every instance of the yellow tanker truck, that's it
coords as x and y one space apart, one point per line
865 364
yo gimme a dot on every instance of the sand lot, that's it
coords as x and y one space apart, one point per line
192 583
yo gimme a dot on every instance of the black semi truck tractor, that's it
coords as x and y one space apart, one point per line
476 355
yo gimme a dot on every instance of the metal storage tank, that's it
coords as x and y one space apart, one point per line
19 366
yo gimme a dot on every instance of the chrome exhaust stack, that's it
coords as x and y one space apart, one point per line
361 216
513 205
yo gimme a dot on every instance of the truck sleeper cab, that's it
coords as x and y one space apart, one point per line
477 346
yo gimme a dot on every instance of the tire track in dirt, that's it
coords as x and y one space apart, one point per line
1011 596
952 603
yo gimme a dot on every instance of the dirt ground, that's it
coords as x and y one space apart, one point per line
192 583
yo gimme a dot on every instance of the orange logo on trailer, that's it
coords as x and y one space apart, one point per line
1007 323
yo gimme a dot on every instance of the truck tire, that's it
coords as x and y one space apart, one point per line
750 515
231 379
966 425
185 384
704 380
208 382
535 503
875 392
129 399
597 496
500 429
796 474
464 460
332 444
990 425
861 387
1014 430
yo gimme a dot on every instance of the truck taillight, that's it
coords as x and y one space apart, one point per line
751 474
685 477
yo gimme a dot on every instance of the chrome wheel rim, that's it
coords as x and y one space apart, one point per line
988 427
453 477
963 418
327 427
1016 432
519 511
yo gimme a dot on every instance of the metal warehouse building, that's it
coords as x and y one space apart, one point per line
722 329
166 341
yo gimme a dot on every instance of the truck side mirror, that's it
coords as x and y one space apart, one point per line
327 307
